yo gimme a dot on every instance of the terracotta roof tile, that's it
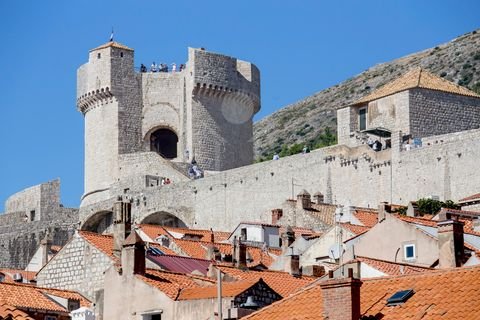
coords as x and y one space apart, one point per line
368 217
102 242
468 227
198 249
325 212
417 78
67 294
281 282
27 296
442 294
112 44
354 228
470 198
180 264
172 283
391 268
10 312
229 289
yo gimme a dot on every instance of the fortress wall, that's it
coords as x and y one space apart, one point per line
446 168
390 112
435 112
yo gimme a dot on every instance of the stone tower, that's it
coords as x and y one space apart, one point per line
202 112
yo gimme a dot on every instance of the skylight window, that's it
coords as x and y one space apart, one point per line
400 297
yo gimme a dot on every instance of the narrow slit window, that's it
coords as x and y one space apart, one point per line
362 119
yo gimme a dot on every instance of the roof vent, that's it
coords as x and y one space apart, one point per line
17 277
400 297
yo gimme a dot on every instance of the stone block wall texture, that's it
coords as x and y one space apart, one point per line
434 113
20 236
78 266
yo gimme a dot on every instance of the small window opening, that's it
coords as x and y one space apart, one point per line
32 215
243 233
409 251
400 297
121 54
99 55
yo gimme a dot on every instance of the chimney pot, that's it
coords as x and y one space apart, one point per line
276 215
450 243
304 200
319 198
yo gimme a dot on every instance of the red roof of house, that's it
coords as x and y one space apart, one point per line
9 273
229 289
153 231
440 294
392 268
367 216
12 313
281 282
470 198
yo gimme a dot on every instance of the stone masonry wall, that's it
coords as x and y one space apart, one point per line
78 266
433 113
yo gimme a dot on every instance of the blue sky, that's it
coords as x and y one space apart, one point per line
301 47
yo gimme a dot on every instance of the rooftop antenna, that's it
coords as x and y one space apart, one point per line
111 36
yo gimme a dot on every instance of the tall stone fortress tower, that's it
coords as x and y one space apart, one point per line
134 119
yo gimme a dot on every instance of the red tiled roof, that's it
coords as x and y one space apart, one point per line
467 228
417 78
281 282
198 249
181 264
31 297
172 283
368 217
9 312
9 273
112 44
391 268
355 228
229 289
67 294
470 198
440 294
102 242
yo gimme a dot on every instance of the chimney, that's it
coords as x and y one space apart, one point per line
240 253
45 245
276 215
122 224
450 243
304 200
382 211
412 209
319 198
341 297
288 237
313 270
133 255
212 236
292 264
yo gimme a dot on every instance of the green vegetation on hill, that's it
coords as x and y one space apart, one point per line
305 122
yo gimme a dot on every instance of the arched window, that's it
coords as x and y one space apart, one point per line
164 142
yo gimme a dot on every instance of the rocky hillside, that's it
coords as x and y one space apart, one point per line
307 120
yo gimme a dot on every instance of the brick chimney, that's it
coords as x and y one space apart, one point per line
341 298
292 264
133 255
318 198
304 200
450 242
313 270
276 215
122 224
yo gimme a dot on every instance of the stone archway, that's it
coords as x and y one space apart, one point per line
164 219
164 142
99 222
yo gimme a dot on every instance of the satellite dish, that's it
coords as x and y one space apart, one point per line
334 251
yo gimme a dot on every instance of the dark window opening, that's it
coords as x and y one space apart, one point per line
164 142
362 118
32 215
99 55
156 317
121 54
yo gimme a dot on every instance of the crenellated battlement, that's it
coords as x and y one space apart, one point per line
243 97
94 99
